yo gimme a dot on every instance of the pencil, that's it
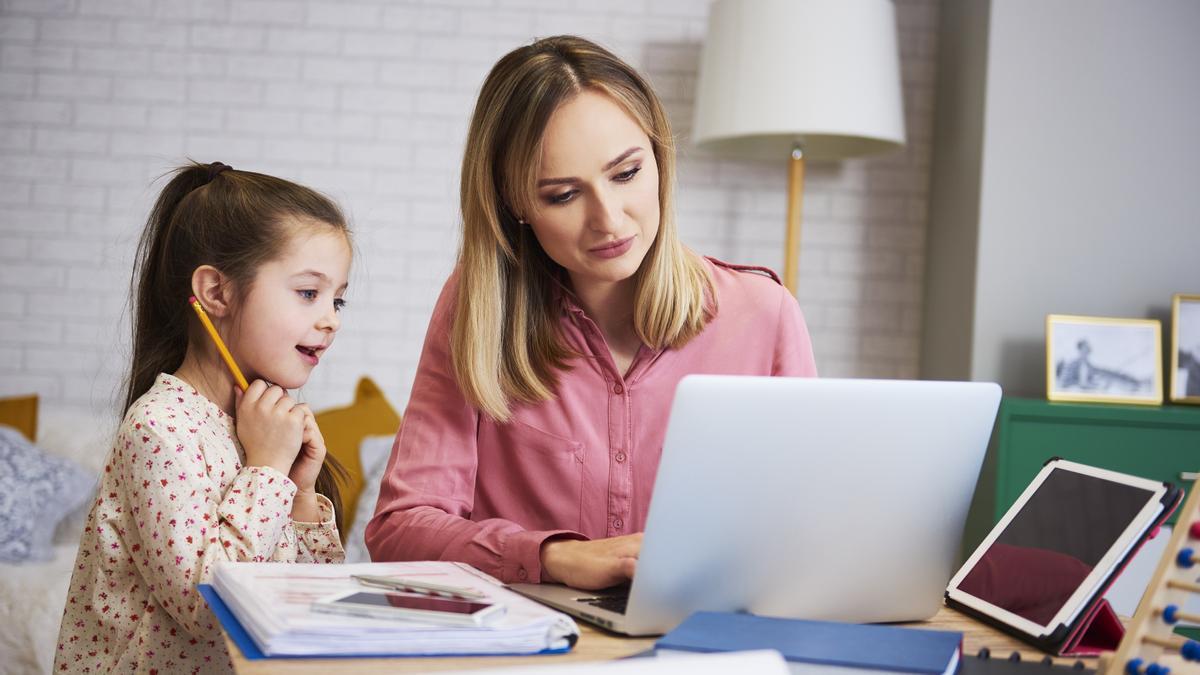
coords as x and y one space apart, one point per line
212 330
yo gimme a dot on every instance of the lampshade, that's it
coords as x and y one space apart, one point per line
821 73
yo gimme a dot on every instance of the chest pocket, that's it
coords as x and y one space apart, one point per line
529 476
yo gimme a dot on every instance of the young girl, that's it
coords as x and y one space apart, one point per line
201 472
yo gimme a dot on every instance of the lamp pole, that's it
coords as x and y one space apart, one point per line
791 242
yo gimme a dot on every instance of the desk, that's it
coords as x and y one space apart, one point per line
597 645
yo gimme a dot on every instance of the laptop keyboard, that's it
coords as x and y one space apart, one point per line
613 603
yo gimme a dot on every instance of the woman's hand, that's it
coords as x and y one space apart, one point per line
270 426
591 564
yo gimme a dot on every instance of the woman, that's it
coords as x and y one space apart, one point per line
532 437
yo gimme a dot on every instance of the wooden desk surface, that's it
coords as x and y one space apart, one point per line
597 645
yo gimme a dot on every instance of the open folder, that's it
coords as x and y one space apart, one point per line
267 609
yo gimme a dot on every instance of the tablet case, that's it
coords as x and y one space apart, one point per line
1097 628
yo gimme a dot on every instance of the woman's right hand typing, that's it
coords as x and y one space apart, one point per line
599 563
270 426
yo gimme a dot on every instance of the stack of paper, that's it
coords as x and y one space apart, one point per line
273 603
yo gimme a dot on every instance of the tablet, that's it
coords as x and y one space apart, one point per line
411 607
1059 546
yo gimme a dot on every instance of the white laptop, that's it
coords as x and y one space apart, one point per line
829 499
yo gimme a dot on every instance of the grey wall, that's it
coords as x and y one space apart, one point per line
1088 177
954 197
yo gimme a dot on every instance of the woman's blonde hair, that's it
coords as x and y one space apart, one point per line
505 341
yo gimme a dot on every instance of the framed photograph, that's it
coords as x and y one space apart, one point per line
1091 358
1185 349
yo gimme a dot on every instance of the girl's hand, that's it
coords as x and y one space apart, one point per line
599 563
304 471
270 426
312 454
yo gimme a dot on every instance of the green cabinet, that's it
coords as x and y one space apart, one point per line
1160 443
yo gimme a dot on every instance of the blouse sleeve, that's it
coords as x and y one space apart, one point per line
185 523
793 346
319 542
427 493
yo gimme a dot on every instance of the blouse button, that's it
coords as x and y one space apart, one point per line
522 574
620 457
617 523
618 389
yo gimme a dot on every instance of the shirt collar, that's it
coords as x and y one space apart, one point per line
186 395
564 296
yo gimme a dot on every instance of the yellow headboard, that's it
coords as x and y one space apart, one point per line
20 412
344 429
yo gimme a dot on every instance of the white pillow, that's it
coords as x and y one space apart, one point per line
84 438
373 453
78 435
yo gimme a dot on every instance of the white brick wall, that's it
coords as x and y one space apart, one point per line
368 101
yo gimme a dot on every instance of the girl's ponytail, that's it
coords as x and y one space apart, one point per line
160 322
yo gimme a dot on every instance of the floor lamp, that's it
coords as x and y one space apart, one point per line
805 79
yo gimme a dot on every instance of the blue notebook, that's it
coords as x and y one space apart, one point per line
819 643
251 652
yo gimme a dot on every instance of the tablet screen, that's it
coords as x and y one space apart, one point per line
419 602
1053 542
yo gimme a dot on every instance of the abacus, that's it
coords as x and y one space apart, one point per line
1150 646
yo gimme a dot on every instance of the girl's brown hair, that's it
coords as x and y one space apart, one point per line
210 214
505 344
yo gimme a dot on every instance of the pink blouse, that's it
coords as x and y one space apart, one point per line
462 487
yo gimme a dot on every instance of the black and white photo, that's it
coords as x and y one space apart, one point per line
1185 349
1103 359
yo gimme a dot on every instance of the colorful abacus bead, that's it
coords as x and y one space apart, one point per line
1186 558
1190 650
1155 669
1169 614
1133 667
1194 530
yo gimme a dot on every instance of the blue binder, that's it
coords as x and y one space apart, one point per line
819 643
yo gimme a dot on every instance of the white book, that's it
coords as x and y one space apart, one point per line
274 602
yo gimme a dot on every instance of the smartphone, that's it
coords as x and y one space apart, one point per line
411 607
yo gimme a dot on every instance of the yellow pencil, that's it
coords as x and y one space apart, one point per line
212 330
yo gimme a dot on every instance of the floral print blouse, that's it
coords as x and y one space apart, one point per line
174 500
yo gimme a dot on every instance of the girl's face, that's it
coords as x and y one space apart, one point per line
597 191
290 314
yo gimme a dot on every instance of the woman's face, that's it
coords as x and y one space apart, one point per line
597 191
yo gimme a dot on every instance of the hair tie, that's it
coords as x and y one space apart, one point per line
216 168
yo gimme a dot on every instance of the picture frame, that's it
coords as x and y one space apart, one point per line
1104 359
1185 349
